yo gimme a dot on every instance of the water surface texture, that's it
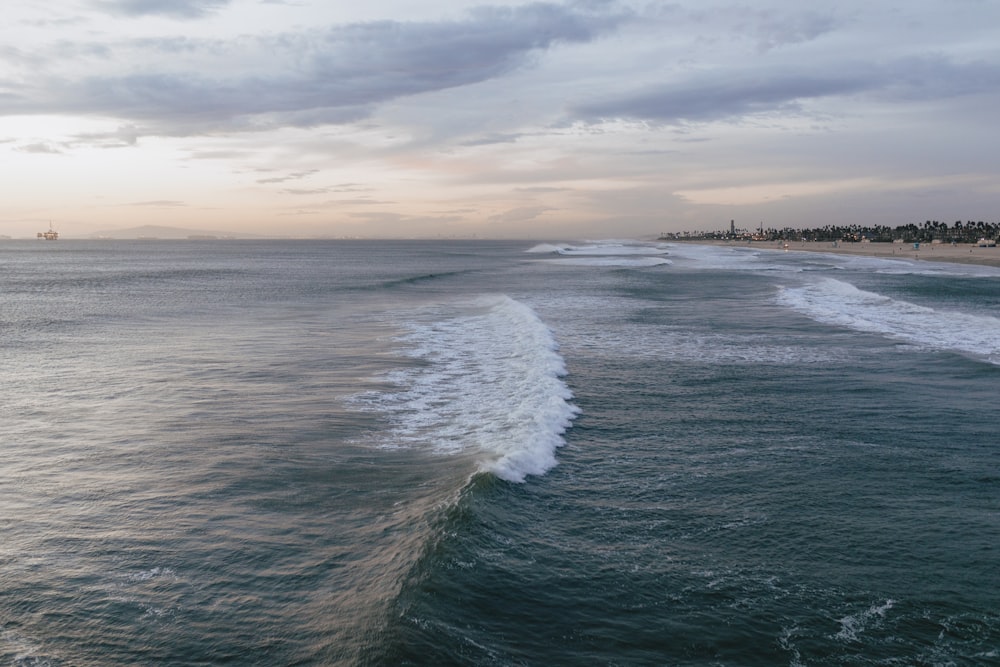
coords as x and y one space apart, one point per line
495 453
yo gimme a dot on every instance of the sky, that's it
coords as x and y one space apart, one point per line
496 119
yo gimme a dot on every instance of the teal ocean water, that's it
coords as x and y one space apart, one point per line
495 453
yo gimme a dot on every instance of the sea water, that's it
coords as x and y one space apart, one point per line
495 453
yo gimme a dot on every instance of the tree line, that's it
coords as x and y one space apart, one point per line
930 230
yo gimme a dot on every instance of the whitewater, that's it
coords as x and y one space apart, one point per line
490 385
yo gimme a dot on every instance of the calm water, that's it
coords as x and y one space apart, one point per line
495 453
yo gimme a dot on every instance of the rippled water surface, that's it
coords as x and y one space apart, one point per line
495 453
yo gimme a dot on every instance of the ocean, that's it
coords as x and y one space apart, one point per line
495 453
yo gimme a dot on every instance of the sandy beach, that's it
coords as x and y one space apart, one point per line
963 253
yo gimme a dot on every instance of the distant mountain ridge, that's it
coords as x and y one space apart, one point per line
168 233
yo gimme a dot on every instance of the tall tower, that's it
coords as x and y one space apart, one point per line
732 228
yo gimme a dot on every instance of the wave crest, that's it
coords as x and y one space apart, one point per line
491 386
600 249
839 303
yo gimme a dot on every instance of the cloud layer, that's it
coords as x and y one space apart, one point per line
738 92
334 75
173 8
584 117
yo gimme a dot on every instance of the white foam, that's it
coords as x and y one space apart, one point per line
682 345
492 386
26 650
763 257
543 248
607 327
601 248
729 258
624 262
146 575
852 626
839 303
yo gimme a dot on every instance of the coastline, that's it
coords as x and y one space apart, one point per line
963 253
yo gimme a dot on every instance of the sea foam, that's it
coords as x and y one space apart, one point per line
599 248
491 386
619 262
617 254
839 303
853 626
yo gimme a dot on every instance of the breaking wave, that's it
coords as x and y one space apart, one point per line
490 385
609 248
839 303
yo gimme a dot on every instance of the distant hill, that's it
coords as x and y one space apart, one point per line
168 233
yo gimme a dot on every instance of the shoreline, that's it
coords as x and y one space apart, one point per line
964 253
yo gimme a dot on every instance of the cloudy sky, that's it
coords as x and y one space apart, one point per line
503 118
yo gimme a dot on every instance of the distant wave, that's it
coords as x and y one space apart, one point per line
415 279
599 248
618 254
839 303
760 259
624 262
731 258
491 387
543 248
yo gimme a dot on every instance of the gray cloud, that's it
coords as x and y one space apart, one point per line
496 138
774 30
186 9
735 93
303 79
936 77
305 191
294 176
713 98
39 147
350 187
333 203
124 136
